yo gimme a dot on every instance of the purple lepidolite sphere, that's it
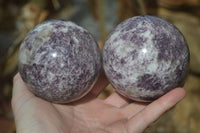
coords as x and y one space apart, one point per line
144 57
59 61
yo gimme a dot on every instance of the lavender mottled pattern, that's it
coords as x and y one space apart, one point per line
59 61
144 57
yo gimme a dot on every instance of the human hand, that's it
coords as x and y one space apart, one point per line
115 114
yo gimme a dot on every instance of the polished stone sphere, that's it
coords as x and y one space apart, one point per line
145 57
59 61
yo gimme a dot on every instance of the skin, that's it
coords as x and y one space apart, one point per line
115 114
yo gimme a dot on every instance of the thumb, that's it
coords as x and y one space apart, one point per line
20 93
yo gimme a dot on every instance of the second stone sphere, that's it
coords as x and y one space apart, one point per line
144 57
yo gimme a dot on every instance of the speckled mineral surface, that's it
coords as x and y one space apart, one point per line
59 61
144 57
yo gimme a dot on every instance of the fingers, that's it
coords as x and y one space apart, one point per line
117 100
128 107
20 93
19 86
132 109
154 110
